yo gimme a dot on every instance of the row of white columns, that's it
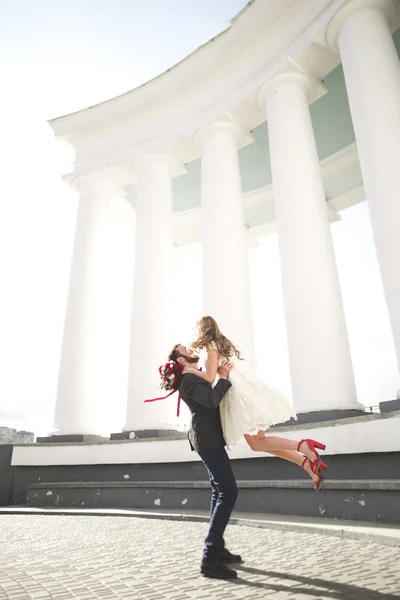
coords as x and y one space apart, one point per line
320 361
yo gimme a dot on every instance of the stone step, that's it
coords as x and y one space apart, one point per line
356 484
362 499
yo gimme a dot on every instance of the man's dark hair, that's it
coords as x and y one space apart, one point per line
174 354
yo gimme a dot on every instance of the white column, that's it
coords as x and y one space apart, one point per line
225 263
372 73
150 305
83 385
319 354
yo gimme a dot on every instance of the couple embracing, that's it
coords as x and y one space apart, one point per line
239 405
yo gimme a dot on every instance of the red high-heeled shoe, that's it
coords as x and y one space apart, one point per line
318 482
312 445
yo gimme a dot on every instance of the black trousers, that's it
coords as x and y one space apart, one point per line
223 499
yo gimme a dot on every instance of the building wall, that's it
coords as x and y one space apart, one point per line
6 475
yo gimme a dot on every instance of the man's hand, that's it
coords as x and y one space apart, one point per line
225 369
192 370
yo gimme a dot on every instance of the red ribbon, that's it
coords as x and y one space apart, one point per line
178 408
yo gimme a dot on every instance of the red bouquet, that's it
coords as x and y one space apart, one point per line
171 375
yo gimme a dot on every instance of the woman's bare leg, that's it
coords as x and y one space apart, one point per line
297 458
263 443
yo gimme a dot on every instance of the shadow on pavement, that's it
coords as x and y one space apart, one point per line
327 589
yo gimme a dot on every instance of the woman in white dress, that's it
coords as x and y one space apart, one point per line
251 406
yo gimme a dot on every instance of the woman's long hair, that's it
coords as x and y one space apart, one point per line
208 332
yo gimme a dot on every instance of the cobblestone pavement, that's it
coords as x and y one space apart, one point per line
87 558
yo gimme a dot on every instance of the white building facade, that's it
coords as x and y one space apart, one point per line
260 116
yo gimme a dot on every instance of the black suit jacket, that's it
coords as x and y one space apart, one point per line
205 431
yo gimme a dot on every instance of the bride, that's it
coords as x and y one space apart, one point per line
251 406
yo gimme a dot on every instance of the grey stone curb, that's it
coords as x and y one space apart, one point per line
354 484
362 532
333 531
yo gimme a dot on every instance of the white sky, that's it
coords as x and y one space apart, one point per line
57 57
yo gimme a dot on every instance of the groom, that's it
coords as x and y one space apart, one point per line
206 438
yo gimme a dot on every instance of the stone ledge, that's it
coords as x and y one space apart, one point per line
148 434
324 416
290 426
341 484
107 441
72 439
373 433
361 418
389 406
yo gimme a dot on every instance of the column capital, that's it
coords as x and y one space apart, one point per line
224 123
155 159
291 74
387 7
100 184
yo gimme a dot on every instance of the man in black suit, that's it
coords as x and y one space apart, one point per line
206 438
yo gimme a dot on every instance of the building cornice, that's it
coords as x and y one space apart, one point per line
224 75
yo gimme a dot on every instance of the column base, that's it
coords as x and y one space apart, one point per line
148 433
323 415
71 439
389 405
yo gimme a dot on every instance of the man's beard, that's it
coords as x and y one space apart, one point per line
191 359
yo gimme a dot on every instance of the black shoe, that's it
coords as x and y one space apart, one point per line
227 557
217 570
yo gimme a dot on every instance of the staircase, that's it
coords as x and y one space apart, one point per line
359 487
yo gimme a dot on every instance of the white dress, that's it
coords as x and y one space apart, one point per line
250 404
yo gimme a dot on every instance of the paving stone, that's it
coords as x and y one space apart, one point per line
116 558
